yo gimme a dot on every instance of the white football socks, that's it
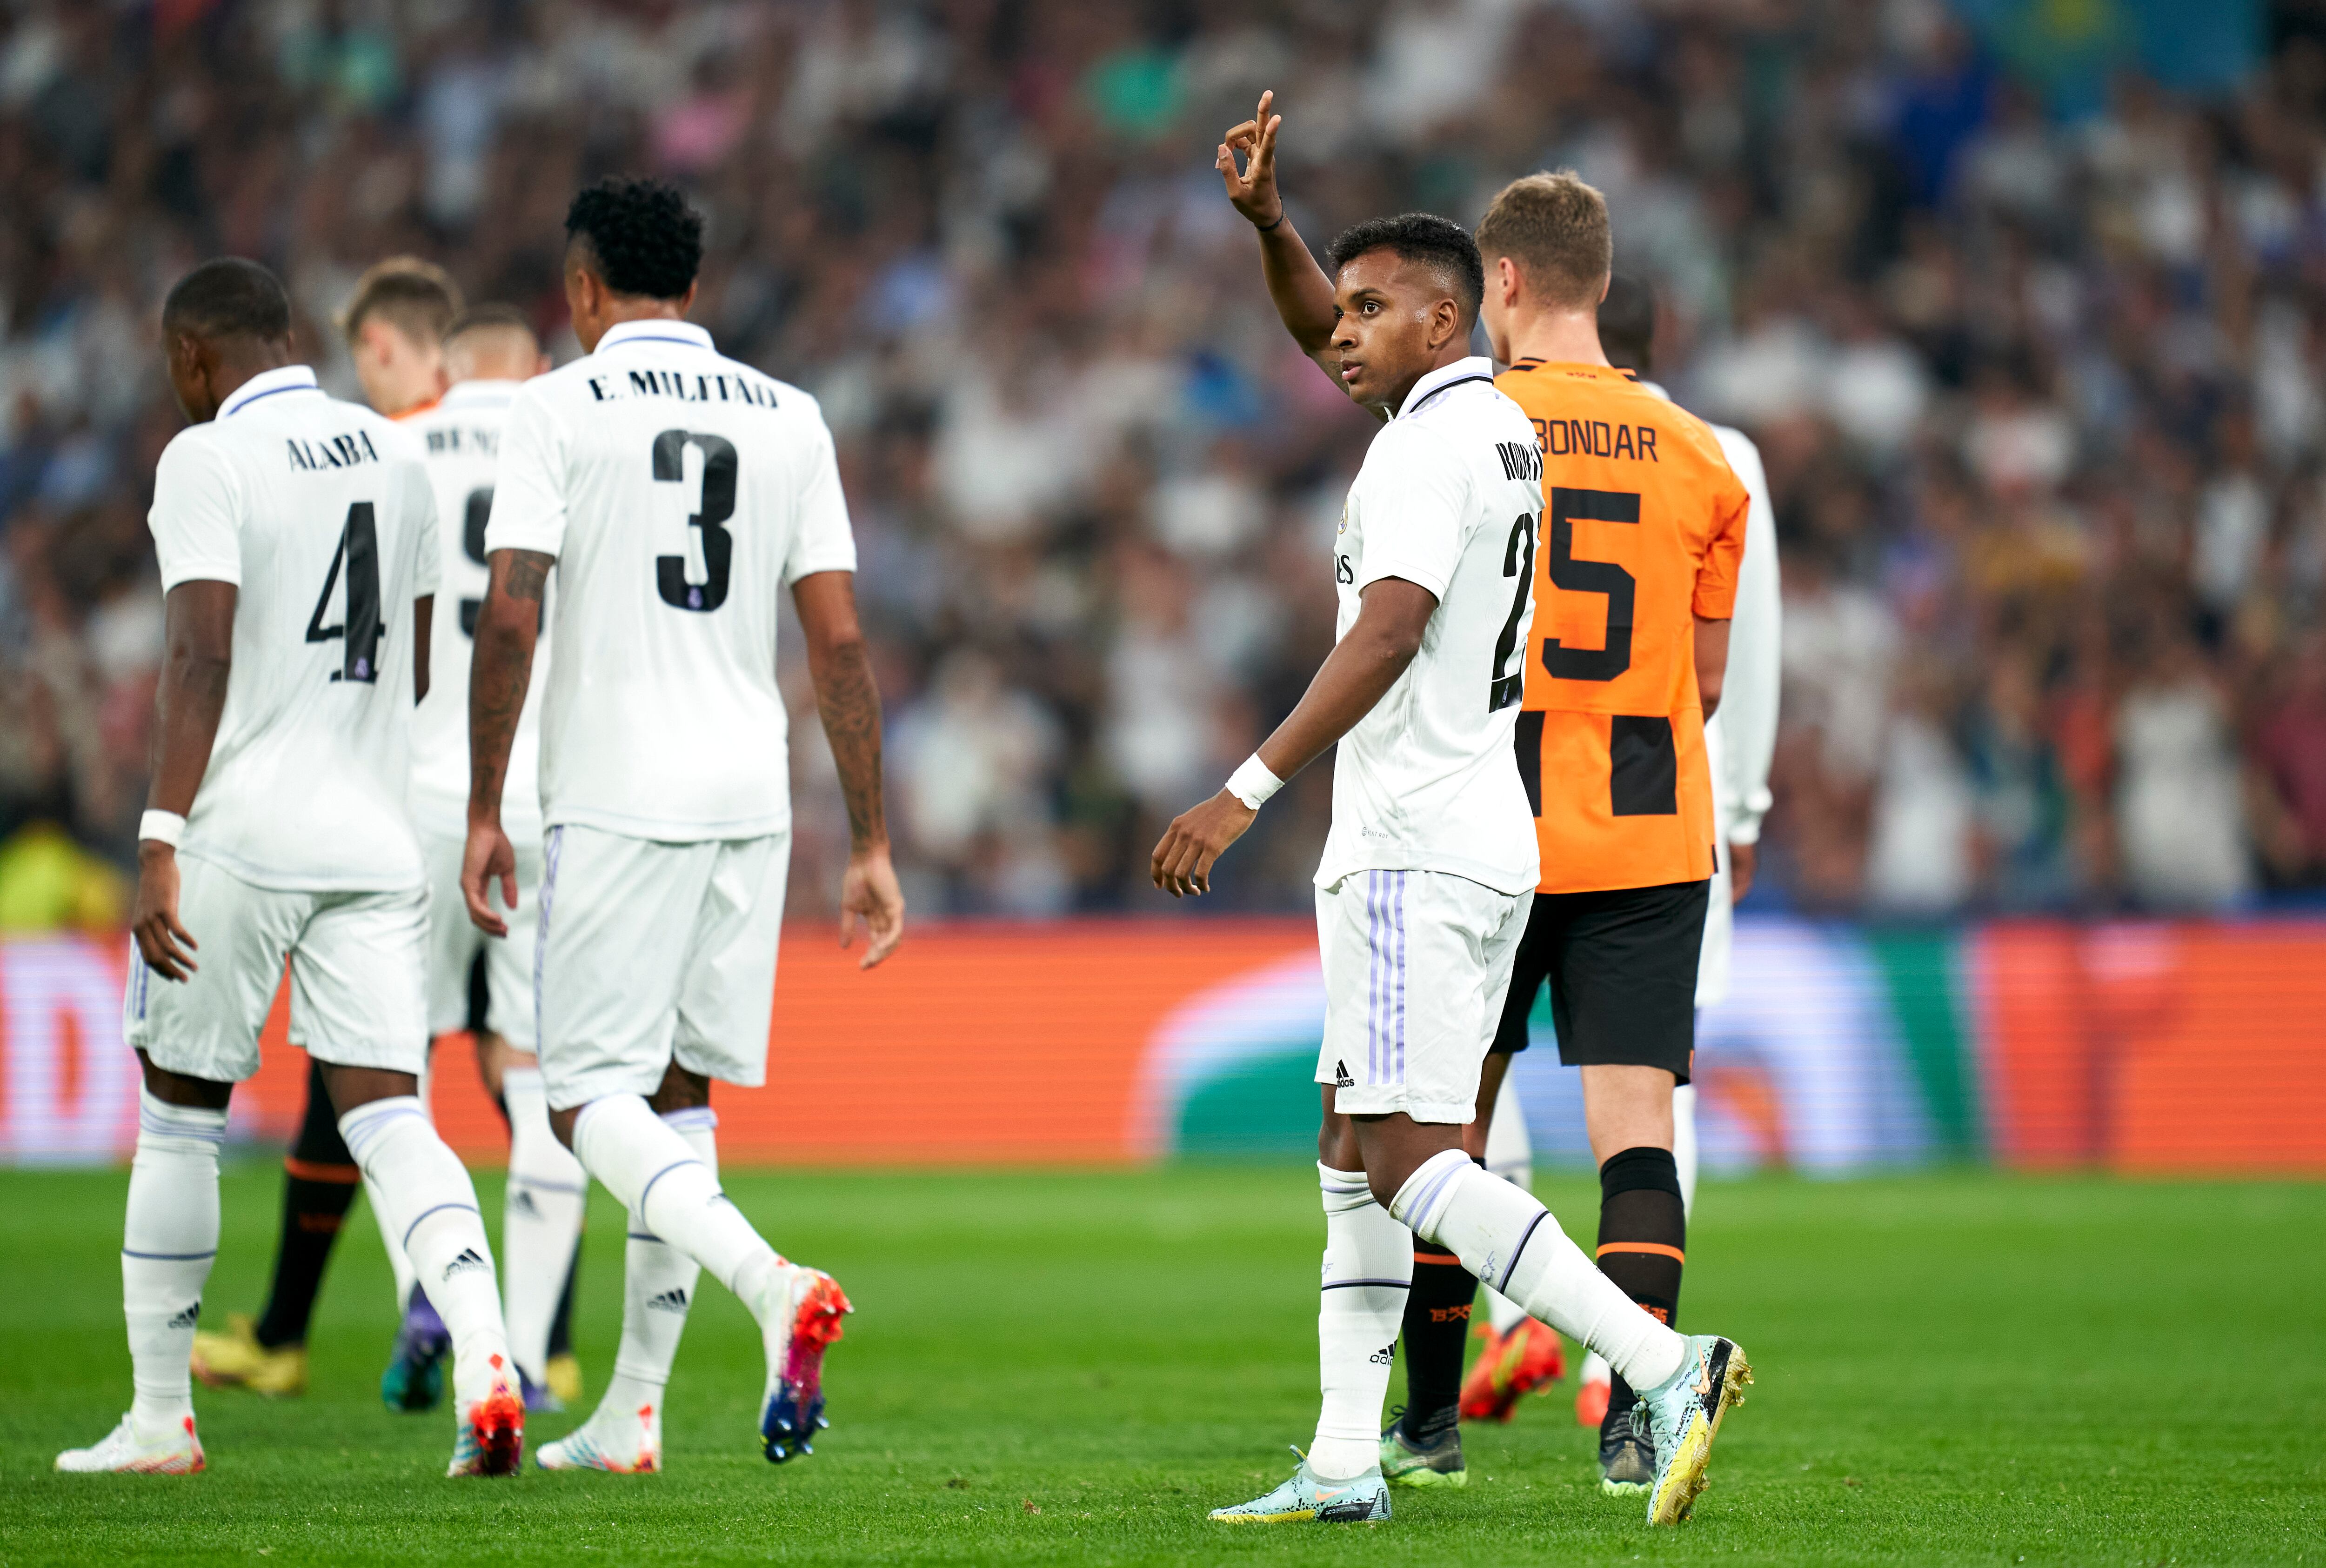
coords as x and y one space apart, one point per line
1368 1269
1510 1242
658 1285
541 1219
1510 1155
169 1238
649 1166
399 1263
427 1202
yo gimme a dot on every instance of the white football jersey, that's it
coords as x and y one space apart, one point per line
1449 497
680 492
462 437
320 512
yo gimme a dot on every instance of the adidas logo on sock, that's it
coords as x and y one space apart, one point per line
465 1262
673 1300
1341 1079
1385 1357
189 1318
521 1199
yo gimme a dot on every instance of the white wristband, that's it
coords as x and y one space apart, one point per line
1252 784
164 827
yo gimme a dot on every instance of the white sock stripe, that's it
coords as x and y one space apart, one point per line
691 1118
436 1209
1419 1202
1520 1250
644 1236
157 1115
1388 1284
542 1184
647 1190
362 1128
170 1257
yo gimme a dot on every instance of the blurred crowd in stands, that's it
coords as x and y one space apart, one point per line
2041 386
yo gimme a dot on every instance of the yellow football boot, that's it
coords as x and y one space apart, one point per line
563 1375
235 1359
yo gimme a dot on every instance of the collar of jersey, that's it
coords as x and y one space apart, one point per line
681 332
462 393
268 384
1476 368
1576 368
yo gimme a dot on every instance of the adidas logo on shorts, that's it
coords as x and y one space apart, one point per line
673 1300
187 1319
465 1262
1341 1079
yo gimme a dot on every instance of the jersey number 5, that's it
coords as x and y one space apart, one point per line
719 465
1618 587
359 551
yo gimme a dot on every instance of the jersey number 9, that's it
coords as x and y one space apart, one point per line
718 505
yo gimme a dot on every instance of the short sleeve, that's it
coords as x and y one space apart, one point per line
1715 575
1412 495
822 541
197 515
529 486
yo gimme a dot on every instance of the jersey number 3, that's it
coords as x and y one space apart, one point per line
359 553
719 465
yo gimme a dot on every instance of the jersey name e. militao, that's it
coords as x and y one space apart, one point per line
320 512
461 436
680 492
1642 526
1446 499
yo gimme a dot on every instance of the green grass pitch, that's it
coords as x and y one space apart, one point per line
1072 1367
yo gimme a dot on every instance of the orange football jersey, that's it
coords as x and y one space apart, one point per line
1642 528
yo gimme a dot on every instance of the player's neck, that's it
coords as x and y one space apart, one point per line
243 362
621 309
1558 338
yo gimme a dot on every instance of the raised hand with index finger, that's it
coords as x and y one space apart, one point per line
1253 189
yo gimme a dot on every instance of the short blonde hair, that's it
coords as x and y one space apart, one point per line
417 297
1555 228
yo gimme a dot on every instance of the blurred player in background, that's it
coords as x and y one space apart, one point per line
1739 740
1429 872
394 325
676 492
1644 526
294 651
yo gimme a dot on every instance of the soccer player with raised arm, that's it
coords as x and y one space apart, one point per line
676 494
1644 524
1430 866
296 536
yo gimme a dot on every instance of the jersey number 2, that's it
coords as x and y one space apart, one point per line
719 465
358 552
1518 561
1618 587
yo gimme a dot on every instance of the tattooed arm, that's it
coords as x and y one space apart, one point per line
850 702
509 624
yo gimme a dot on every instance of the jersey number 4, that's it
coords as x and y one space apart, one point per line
718 505
361 630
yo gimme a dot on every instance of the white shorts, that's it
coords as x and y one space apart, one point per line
356 962
1416 966
653 951
454 942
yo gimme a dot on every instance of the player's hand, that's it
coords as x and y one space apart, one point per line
869 892
1741 860
490 858
1182 862
1254 190
162 941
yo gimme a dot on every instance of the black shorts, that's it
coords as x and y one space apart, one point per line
1621 966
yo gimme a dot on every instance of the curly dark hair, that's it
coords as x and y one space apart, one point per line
229 297
646 239
1421 236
